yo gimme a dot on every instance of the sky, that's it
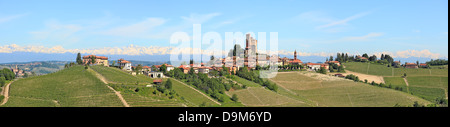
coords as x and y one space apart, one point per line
402 28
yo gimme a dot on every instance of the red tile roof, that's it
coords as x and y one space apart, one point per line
97 57
157 81
295 61
313 64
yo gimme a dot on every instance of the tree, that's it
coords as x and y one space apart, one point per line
341 69
79 61
365 55
234 98
331 58
163 68
2 81
168 84
322 70
138 69
114 63
93 60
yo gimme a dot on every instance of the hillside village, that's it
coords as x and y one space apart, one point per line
228 81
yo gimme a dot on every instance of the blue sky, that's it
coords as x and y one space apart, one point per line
402 28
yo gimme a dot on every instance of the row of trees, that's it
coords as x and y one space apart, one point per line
290 67
341 57
254 77
437 62
215 87
5 75
336 68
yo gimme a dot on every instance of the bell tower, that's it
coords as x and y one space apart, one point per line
295 54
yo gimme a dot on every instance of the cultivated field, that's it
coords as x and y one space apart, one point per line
72 87
340 92
261 97
425 83
193 97
245 82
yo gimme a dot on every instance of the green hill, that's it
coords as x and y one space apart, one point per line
429 84
72 87
326 91
116 77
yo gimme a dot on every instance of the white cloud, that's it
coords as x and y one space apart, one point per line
415 53
344 21
140 29
55 31
12 17
157 50
199 18
362 38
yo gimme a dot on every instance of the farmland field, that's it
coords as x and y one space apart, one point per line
245 82
72 87
261 97
191 95
342 93
425 83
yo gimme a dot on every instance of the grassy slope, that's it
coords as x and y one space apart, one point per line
261 97
73 87
343 93
115 75
191 95
245 82
426 83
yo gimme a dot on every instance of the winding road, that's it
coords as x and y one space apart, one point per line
6 93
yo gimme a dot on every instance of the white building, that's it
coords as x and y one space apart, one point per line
124 65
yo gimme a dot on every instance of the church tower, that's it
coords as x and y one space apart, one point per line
295 54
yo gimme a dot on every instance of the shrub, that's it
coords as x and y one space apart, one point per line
234 98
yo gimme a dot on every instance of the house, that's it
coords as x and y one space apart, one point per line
423 65
411 65
360 58
326 66
316 66
313 66
184 68
204 69
157 81
168 67
155 74
99 60
124 65
334 62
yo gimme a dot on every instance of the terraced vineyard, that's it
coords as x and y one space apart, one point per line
337 92
429 84
261 97
72 87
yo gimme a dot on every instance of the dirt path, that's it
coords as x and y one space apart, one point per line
370 78
407 84
6 93
198 91
103 79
